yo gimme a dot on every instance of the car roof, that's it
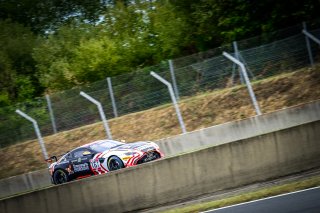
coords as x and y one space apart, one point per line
98 141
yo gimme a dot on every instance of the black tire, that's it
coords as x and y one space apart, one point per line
115 163
60 177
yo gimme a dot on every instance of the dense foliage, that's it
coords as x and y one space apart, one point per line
52 45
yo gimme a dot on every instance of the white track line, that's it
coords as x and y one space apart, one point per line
267 198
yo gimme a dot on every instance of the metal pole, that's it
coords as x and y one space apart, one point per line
114 106
53 122
304 31
173 98
234 66
173 77
236 54
102 115
38 133
312 37
245 75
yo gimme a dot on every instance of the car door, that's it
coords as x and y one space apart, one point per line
81 162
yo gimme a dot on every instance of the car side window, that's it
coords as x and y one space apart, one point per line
68 156
63 159
80 153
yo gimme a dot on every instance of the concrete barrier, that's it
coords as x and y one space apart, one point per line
25 182
211 136
184 176
241 129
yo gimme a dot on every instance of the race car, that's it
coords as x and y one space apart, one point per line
100 157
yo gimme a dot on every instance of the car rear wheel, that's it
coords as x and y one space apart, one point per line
115 163
60 177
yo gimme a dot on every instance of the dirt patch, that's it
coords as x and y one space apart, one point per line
200 111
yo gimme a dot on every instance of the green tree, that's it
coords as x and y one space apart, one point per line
215 22
135 34
95 59
44 15
170 29
17 79
53 57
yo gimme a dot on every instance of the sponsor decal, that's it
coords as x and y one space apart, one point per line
150 156
86 153
126 158
80 167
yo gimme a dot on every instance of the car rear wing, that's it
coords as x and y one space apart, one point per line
50 160
54 157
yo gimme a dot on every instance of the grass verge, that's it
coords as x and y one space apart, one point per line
259 194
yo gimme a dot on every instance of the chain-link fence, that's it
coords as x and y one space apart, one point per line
263 56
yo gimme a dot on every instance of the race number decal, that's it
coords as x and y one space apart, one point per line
95 164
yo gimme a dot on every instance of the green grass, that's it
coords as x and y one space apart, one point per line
262 193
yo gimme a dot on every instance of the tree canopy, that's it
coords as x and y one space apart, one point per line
53 45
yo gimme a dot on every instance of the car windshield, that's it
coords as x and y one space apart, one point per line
101 146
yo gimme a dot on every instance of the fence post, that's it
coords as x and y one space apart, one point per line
245 75
38 133
114 106
308 44
236 54
102 115
173 77
312 37
173 98
53 122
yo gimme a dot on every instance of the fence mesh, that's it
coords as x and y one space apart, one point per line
263 56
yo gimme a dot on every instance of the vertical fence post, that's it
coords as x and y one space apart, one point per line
38 133
114 106
173 98
308 44
53 122
245 75
173 77
236 54
102 115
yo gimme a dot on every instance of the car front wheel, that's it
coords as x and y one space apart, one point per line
115 163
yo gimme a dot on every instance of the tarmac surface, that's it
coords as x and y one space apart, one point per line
237 191
301 201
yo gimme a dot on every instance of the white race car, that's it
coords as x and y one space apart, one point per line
100 157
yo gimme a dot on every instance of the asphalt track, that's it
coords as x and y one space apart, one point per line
306 201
